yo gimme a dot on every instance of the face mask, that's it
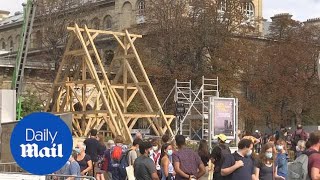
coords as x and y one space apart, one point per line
77 150
170 152
268 155
249 153
155 148
279 147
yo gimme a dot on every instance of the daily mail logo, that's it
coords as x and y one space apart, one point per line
32 150
41 143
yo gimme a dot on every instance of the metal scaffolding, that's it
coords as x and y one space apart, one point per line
193 122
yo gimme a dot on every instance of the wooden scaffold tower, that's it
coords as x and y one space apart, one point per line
82 80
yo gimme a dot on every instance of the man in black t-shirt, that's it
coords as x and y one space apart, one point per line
239 165
217 155
93 145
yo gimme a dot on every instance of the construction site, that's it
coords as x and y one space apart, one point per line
87 94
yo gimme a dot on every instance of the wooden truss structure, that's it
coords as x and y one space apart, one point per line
82 80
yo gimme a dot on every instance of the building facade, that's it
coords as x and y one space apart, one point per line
115 15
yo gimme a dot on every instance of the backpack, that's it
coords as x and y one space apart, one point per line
124 162
298 169
116 153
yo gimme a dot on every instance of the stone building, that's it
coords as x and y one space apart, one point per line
115 15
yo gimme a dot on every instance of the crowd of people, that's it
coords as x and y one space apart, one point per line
171 159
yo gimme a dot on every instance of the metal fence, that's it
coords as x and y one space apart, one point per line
12 170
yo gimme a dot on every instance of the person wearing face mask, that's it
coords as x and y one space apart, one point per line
266 169
83 159
167 170
73 168
239 165
155 155
217 155
282 159
144 167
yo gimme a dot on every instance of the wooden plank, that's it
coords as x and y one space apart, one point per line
154 127
94 74
132 96
101 31
144 73
129 85
121 86
119 41
133 123
118 97
119 112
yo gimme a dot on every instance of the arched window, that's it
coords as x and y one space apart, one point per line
249 9
10 41
107 22
3 44
141 6
95 23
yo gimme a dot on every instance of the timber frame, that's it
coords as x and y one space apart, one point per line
82 79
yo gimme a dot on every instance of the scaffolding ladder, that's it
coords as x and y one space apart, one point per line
17 80
210 89
183 96
196 103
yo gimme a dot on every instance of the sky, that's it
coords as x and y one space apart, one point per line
300 9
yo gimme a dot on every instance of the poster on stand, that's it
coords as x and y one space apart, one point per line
223 116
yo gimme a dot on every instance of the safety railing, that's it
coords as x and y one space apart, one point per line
63 177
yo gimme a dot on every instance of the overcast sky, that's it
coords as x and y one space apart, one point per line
300 9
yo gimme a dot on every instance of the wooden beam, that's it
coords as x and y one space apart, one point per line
101 32
132 96
94 74
111 93
148 82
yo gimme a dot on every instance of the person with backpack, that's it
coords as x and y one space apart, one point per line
117 159
107 159
282 159
314 156
307 165
217 154
266 167
144 167
239 165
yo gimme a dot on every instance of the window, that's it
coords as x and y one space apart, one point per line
107 22
223 6
141 7
249 9
10 40
3 44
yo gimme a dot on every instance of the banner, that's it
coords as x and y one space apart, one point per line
223 116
